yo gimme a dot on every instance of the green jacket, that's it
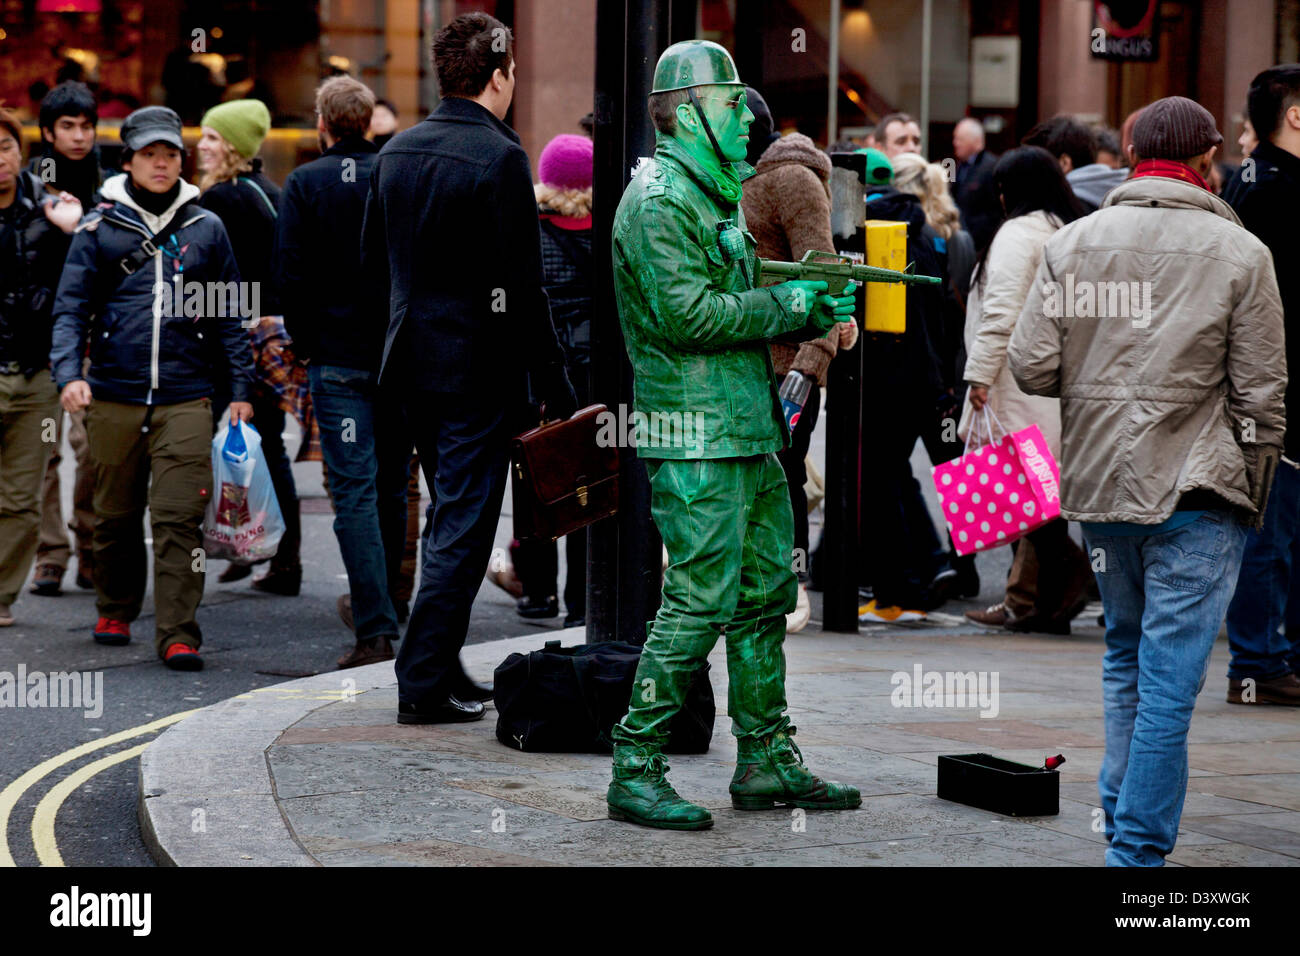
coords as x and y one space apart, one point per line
695 326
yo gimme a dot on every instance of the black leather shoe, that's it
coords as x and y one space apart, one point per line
534 608
285 581
235 572
450 711
938 592
467 691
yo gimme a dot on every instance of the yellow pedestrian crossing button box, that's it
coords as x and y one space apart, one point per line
886 301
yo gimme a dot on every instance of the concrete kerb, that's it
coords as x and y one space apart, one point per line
206 793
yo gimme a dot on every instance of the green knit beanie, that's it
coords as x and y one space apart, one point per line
242 123
879 169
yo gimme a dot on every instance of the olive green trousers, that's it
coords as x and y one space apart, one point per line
29 409
159 457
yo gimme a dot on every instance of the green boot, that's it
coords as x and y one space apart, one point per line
772 771
640 794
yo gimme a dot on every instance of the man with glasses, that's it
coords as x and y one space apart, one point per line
697 333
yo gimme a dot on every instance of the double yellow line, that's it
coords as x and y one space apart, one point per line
47 850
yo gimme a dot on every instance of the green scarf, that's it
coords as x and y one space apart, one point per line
723 180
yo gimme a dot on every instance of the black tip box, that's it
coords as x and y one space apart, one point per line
999 786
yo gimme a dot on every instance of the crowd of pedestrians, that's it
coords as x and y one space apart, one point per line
1169 423
1168 419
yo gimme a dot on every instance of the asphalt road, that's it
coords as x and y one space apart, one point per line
250 640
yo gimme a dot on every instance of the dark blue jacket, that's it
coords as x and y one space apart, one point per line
451 240
1270 208
141 351
977 198
333 322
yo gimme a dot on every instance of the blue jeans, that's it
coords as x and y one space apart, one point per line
1165 597
344 400
1263 600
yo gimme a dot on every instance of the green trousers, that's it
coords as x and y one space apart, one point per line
159 456
29 410
729 531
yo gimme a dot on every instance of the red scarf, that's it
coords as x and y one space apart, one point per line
1170 169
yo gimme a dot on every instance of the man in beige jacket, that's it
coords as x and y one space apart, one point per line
1158 323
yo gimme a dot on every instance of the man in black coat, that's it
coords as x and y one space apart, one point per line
337 326
973 192
452 239
1265 657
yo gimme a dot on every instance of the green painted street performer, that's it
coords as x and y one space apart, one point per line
697 332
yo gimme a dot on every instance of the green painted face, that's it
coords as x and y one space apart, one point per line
729 117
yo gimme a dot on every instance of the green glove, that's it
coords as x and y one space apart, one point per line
823 310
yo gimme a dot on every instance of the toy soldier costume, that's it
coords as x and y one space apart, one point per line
697 333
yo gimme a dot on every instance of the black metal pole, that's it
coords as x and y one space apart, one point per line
839 556
624 564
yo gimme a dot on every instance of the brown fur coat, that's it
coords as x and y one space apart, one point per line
787 207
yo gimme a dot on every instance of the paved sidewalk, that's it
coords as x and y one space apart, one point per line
318 772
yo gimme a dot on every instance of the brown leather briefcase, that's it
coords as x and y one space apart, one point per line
561 477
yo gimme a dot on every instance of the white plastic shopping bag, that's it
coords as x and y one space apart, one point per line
243 523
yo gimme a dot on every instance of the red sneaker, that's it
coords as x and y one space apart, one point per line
108 631
182 657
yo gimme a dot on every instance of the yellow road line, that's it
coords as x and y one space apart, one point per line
47 849
11 794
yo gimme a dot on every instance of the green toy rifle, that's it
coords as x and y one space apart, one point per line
837 271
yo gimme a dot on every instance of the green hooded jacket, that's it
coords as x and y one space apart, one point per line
695 326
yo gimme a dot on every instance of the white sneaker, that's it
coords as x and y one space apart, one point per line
797 619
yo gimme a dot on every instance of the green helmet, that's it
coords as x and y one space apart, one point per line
694 63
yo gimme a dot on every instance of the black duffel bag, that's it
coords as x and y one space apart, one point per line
568 699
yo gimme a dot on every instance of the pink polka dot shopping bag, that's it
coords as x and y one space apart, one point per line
999 492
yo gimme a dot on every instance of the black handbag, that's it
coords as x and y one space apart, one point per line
568 699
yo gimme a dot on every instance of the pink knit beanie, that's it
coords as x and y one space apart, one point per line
566 162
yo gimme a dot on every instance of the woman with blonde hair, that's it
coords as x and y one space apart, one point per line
929 181
912 174
234 187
